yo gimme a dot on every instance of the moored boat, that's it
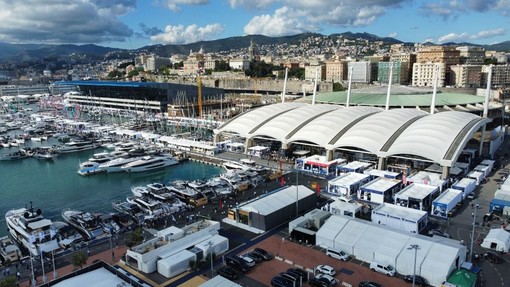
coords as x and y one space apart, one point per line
148 163
85 222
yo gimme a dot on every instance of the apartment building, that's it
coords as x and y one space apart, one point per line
362 72
311 70
500 75
424 74
466 76
400 72
471 55
439 54
155 62
336 71
239 64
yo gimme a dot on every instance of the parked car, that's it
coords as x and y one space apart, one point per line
383 268
302 273
439 232
418 280
266 255
228 273
326 269
332 281
255 256
369 284
280 281
248 260
492 257
338 254
291 277
237 263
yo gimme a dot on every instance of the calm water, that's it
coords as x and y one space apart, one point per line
54 185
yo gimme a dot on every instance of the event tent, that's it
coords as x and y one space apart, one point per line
497 239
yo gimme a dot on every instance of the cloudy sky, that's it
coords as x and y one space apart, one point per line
136 23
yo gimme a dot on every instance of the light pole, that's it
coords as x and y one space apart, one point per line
210 243
111 248
297 192
415 247
475 208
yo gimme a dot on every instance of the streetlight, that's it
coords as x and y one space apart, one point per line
415 247
475 208
210 243
297 192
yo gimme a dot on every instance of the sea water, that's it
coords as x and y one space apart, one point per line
54 185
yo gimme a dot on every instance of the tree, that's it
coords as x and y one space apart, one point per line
337 87
259 69
221 66
8 282
178 65
79 259
134 237
115 74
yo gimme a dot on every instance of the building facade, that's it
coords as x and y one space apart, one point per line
239 64
439 54
311 70
361 72
336 71
500 75
471 55
466 76
424 74
155 62
400 72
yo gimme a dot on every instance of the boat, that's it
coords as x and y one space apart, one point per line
89 168
102 157
67 235
85 222
46 153
115 165
147 163
9 251
150 205
20 154
220 186
108 223
232 165
31 230
127 207
74 146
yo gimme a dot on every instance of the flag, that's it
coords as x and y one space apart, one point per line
318 188
221 203
282 181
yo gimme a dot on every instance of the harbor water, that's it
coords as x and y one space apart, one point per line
55 185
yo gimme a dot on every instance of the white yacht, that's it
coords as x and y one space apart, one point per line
232 165
150 205
75 146
150 163
85 222
31 230
89 168
115 165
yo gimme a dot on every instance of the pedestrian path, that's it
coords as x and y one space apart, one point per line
105 256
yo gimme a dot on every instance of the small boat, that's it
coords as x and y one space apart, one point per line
67 235
127 208
21 154
89 168
9 251
149 163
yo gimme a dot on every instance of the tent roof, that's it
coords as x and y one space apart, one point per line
277 200
417 191
448 195
462 278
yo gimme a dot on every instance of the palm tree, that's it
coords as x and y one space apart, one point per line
79 259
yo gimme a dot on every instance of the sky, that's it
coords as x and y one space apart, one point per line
133 24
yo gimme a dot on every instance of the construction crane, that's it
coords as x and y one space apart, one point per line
199 84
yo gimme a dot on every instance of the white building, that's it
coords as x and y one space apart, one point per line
424 74
399 217
239 64
361 72
347 184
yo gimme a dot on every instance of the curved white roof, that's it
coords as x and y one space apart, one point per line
437 137
247 121
321 130
374 131
280 126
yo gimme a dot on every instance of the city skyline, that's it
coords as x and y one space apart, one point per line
133 24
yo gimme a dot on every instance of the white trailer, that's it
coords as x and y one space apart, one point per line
216 244
477 175
443 204
466 185
399 217
489 163
483 168
175 264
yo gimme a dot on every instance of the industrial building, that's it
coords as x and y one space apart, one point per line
270 210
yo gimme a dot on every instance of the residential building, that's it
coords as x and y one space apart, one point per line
253 52
466 76
362 71
141 61
400 72
155 62
424 74
439 54
336 71
471 55
310 72
500 75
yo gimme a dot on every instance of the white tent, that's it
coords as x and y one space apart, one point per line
497 239
325 236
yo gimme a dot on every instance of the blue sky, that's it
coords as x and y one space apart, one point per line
136 23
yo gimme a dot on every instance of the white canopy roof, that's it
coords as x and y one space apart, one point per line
277 200
438 137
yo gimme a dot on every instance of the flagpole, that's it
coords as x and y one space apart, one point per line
42 266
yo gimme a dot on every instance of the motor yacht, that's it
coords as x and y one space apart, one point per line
86 223
31 230
75 146
148 163
115 165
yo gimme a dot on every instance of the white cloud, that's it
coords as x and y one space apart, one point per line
488 34
252 4
190 34
64 21
284 21
174 5
393 35
308 15
453 37
454 8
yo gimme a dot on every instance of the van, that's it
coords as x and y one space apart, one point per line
340 255
383 268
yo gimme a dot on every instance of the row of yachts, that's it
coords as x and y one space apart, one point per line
37 235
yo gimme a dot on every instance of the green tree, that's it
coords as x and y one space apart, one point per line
298 73
489 61
259 69
115 74
8 282
134 238
79 259
221 65
178 65
337 87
